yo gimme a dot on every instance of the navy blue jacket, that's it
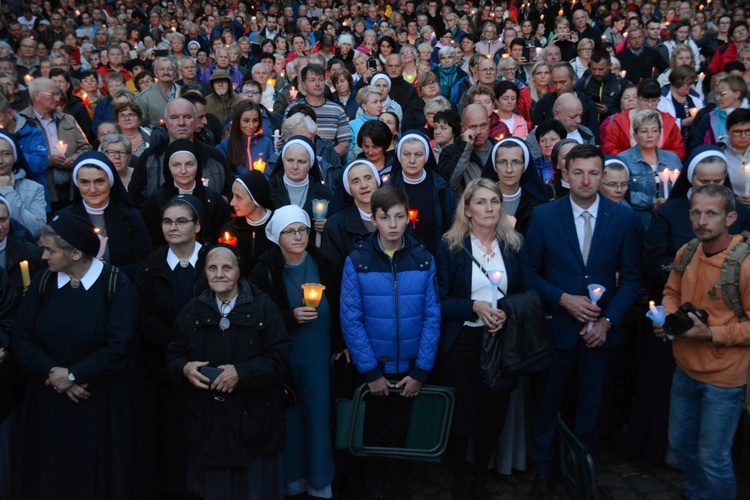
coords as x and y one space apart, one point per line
390 312
454 282
554 257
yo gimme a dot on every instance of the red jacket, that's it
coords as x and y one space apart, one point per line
725 54
618 135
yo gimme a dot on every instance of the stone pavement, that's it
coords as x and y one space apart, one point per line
625 480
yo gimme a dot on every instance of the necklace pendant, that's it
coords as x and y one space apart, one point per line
224 323
184 263
74 283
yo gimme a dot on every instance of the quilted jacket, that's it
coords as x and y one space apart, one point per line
390 311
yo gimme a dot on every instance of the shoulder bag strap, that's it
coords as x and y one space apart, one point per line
481 268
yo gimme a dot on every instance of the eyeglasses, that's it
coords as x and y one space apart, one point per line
291 233
650 102
722 94
512 163
431 84
128 116
116 154
616 185
489 70
249 92
90 80
180 222
740 133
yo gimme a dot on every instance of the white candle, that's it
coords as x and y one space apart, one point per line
25 276
652 306
595 293
62 148
204 181
664 178
673 175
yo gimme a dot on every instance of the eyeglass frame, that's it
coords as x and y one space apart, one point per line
177 222
296 232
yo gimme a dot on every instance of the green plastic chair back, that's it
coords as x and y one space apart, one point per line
429 426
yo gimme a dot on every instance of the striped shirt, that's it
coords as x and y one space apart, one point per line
332 122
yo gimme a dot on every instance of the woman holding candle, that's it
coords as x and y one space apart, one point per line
282 271
74 338
481 230
506 97
246 143
299 182
251 201
24 196
14 251
182 175
644 160
429 194
522 188
129 117
165 282
233 421
89 92
360 180
100 197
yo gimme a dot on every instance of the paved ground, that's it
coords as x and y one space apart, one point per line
625 480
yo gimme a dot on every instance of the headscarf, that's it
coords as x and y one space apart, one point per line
181 146
356 163
519 142
530 180
97 159
256 185
76 231
5 202
614 159
194 203
19 161
684 181
282 217
431 163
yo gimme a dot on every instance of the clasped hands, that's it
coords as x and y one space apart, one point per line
226 382
493 318
410 387
583 310
58 380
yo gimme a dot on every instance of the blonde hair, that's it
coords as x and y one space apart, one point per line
506 236
645 117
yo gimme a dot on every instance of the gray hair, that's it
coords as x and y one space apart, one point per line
647 117
179 100
37 84
7 46
163 59
437 104
112 138
447 51
298 121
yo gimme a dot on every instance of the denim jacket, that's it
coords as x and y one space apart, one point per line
643 188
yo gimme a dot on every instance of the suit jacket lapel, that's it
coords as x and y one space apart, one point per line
569 228
600 228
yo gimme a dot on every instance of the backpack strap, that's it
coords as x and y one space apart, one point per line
730 277
687 255
43 284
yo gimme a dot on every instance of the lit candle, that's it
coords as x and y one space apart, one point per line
623 73
78 12
313 293
664 178
604 38
538 51
319 210
293 93
272 82
495 278
413 214
673 175
85 99
542 18
276 139
746 169
174 29
655 313
228 239
102 243
259 165
595 293
489 56
560 12
701 76
62 148
693 112
499 137
25 276
505 56
28 79
204 181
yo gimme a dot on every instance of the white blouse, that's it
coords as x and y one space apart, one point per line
481 288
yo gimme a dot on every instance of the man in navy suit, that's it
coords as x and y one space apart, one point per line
573 242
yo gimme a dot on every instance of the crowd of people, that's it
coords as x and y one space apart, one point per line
176 176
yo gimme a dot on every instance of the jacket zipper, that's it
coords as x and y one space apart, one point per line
398 322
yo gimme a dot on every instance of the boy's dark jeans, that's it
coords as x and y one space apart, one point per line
386 424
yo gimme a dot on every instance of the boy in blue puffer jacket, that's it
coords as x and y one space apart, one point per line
390 319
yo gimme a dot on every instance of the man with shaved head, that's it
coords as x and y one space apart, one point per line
463 161
568 111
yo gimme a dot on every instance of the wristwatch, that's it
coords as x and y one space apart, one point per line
71 377
609 323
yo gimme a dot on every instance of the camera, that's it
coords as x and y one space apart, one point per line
679 322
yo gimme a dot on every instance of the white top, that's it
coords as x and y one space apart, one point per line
173 260
88 279
576 136
481 288
580 221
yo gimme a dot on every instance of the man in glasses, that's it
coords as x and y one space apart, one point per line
27 62
65 140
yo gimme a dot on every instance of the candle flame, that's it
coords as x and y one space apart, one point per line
226 236
651 303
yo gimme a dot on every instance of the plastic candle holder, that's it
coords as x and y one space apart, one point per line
313 293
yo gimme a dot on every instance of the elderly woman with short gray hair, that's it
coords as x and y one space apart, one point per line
119 150
449 75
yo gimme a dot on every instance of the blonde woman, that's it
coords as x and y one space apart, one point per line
539 86
682 55
581 63
481 231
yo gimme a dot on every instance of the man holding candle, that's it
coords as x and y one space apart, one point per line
573 242
65 140
712 359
